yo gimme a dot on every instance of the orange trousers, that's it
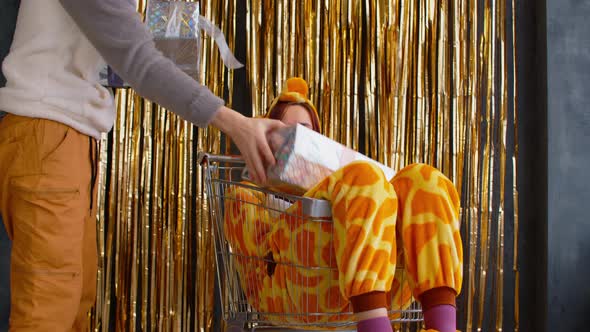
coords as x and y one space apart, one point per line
47 201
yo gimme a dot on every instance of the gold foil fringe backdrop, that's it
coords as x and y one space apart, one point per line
156 257
402 81
405 82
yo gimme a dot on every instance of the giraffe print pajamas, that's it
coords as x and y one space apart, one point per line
400 237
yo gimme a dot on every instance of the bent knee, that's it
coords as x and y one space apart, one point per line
362 173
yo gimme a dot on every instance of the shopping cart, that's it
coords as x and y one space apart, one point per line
238 273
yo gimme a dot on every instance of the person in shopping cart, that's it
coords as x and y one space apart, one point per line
411 223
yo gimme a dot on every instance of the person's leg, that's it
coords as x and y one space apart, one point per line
364 208
4 277
246 225
7 149
305 277
89 271
89 256
45 201
428 228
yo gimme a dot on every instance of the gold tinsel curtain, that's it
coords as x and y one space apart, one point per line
156 261
411 81
402 81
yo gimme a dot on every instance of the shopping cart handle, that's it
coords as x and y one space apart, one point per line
204 157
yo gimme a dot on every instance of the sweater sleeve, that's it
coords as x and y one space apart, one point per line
115 29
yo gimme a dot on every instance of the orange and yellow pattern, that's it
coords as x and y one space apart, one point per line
400 237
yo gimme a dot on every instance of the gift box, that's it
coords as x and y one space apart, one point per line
305 157
176 27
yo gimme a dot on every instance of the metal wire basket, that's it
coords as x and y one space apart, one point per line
245 277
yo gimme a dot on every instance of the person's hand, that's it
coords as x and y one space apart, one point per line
250 136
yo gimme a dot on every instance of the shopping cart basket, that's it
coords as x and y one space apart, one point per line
239 274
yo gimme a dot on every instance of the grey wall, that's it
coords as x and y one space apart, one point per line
8 11
568 114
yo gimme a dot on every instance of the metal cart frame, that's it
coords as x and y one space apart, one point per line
225 172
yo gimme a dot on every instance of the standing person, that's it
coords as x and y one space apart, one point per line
54 110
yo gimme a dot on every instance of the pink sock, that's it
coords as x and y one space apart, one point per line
442 318
377 324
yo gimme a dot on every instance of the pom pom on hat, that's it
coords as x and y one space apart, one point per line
297 85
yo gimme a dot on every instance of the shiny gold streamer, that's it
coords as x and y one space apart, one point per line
155 245
514 171
409 81
472 160
402 81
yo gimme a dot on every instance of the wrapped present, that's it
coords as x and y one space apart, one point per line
305 157
176 27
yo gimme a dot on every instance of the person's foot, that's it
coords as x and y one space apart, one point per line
441 318
377 324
